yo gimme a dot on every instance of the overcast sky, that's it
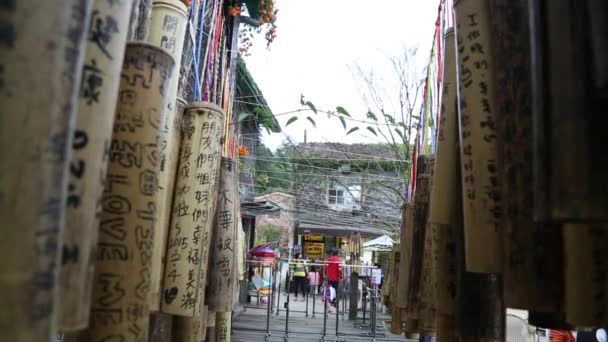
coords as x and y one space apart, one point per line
318 43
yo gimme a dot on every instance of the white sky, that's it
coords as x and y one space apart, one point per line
317 43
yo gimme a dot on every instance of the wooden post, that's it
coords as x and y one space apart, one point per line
446 195
481 183
193 209
41 58
94 119
353 305
586 265
167 31
122 276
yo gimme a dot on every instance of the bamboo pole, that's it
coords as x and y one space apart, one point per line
405 255
480 310
122 276
533 268
222 326
161 327
428 303
192 329
421 202
189 329
446 195
168 29
40 63
210 332
586 274
481 313
428 307
392 282
568 112
444 209
481 184
222 261
223 280
94 119
193 209
446 328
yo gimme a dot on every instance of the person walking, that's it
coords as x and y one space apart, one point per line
333 270
299 276
314 279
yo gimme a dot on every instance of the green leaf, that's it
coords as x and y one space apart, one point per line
400 133
342 111
343 121
243 116
352 130
371 115
312 121
291 120
416 117
371 129
390 118
311 106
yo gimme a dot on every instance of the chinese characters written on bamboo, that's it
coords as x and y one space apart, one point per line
122 281
193 208
481 186
90 151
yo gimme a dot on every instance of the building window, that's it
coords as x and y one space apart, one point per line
335 196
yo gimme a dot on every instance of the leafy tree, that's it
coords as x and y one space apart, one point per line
273 171
268 234
395 126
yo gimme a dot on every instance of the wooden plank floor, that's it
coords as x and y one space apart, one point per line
250 326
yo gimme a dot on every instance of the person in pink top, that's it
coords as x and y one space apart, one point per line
314 279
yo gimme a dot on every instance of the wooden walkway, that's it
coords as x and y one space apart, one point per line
250 326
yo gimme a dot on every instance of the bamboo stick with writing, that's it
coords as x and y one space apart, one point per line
167 30
223 241
445 194
193 208
120 307
95 115
478 140
40 60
